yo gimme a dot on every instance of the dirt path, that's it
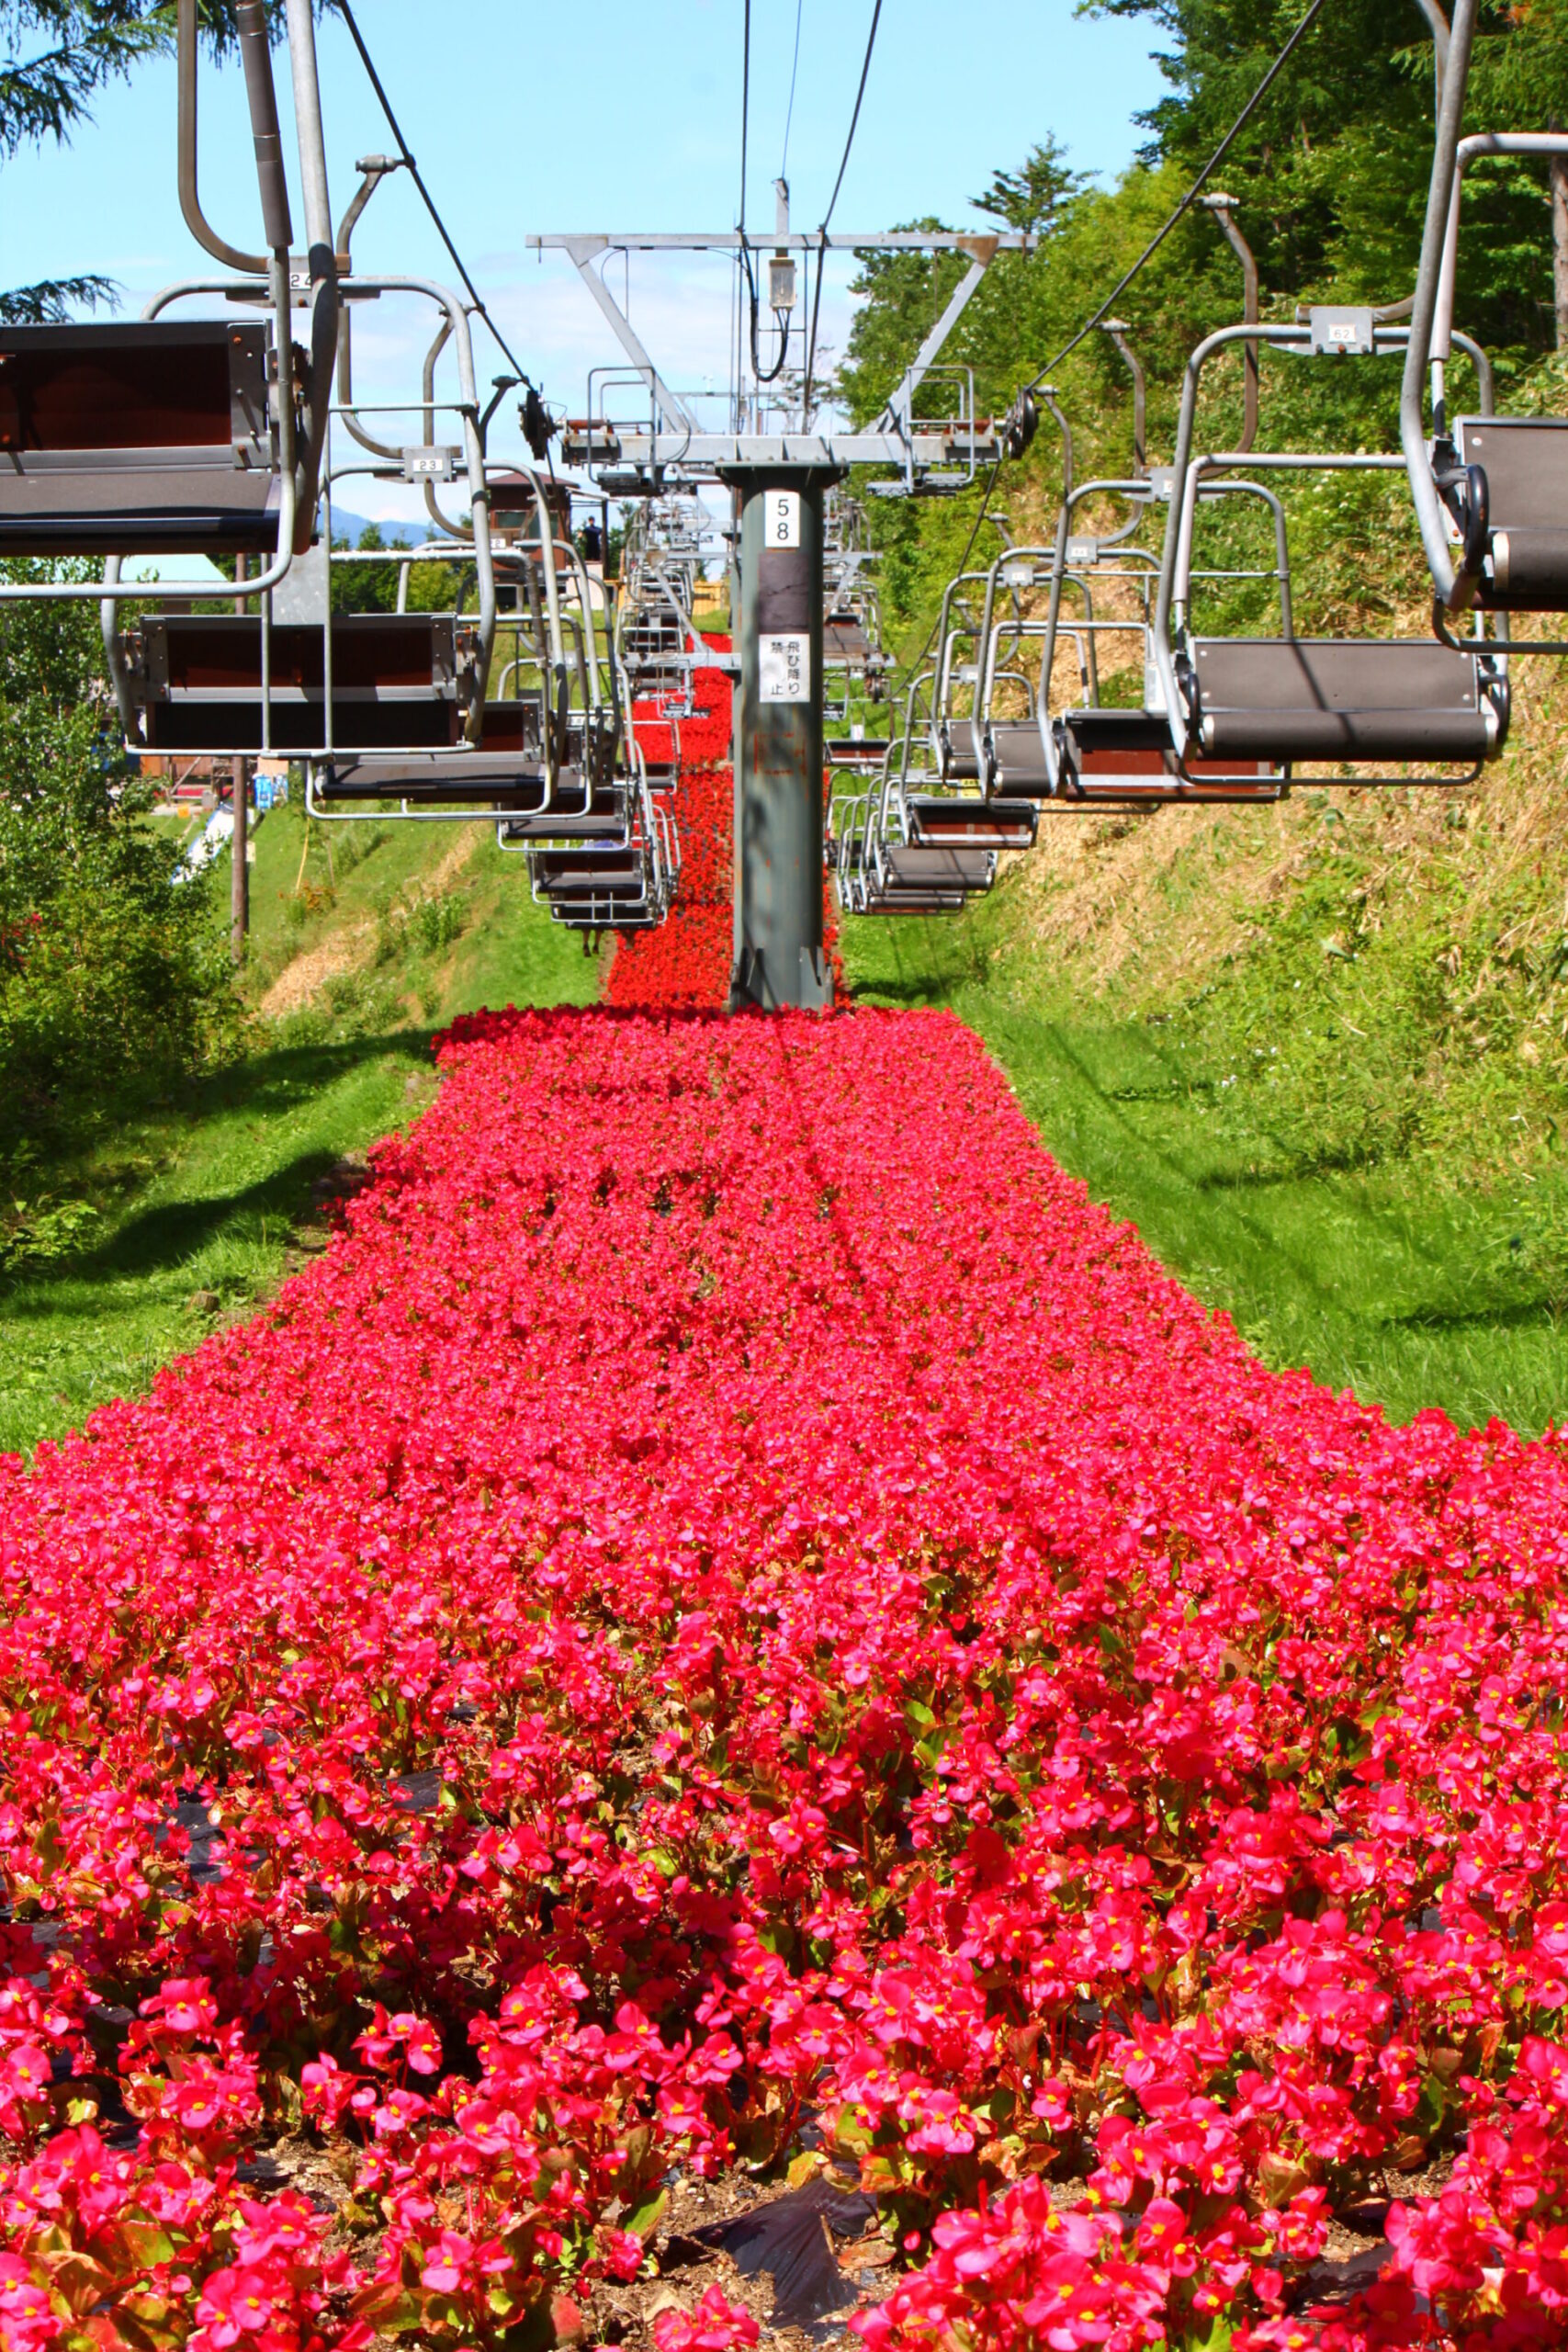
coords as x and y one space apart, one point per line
347 949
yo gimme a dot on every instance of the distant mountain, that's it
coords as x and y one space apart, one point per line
353 529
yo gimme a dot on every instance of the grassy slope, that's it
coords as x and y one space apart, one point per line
205 1202
1316 1054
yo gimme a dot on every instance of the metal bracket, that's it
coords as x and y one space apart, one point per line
584 252
981 251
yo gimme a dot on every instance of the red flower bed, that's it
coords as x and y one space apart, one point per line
733 1604
686 962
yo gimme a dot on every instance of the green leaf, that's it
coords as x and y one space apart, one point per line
648 2216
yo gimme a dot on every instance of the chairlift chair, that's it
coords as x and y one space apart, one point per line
183 437
1365 704
149 436
1491 492
1091 755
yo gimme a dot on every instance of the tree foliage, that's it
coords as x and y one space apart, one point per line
1330 181
1030 198
112 979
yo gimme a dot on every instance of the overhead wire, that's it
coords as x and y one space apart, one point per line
405 153
793 76
745 112
762 375
1305 25
828 215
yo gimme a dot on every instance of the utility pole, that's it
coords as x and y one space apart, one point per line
240 880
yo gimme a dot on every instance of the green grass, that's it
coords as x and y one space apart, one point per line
1380 1282
201 1204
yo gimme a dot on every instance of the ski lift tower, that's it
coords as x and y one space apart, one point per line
642 438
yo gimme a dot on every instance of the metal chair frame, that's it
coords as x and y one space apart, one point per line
1451 506
1324 330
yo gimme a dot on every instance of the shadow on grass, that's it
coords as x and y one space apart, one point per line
169 1232
265 1080
166 1235
916 993
1517 1314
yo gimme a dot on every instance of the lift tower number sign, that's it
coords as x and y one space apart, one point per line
783 518
783 658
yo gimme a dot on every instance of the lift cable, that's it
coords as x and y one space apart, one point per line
1215 160
413 170
754 308
745 113
793 76
827 217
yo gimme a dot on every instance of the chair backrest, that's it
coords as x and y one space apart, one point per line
145 384
395 682
1525 463
141 437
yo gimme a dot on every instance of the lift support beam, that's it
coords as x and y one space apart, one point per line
778 481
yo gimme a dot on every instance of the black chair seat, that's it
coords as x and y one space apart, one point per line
588 872
608 916
845 642
1123 759
1528 573
914 902
141 437
936 869
955 748
1018 757
1120 734
470 776
978 824
1342 699
550 826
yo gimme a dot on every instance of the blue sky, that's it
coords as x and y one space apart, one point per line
616 114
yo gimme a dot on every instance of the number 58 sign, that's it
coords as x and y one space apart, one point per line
783 525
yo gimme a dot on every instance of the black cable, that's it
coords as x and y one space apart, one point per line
855 118
1215 160
794 74
413 170
832 200
754 306
1210 168
745 116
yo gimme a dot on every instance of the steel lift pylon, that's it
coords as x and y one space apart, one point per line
779 478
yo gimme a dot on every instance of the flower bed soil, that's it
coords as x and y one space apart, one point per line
734 1623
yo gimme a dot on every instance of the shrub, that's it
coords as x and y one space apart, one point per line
113 983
